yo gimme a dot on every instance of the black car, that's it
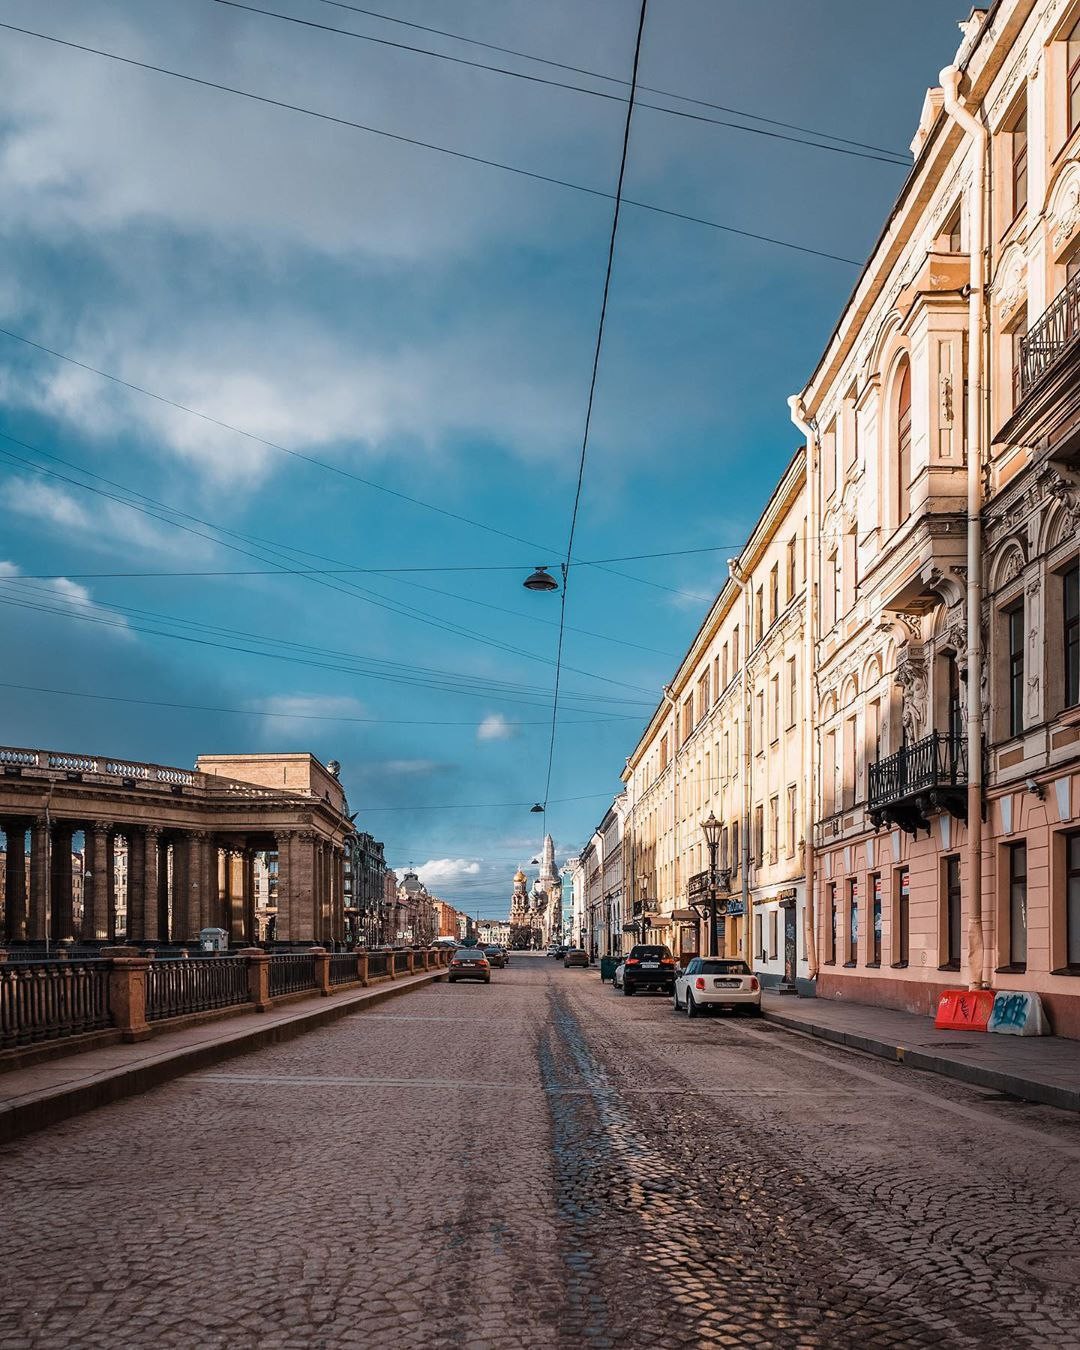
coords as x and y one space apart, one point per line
649 967
496 957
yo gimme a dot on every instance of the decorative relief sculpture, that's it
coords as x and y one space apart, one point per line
1065 211
911 676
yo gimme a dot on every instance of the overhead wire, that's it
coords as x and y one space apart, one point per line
590 402
884 157
610 79
329 466
464 155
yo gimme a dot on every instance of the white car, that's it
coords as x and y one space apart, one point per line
620 970
717 982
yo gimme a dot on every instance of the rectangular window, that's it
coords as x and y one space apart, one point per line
831 930
703 694
1018 905
791 566
1072 899
1015 632
1019 164
723 667
793 819
759 614
952 912
837 588
761 721
793 691
773 926
759 834
735 649
1070 612
848 771
774 593
853 921
875 932
829 774
952 233
1016 344
955 708
775 708
716 677
774 829
759 941
1073 66
687 718
902 948
663 752
736 852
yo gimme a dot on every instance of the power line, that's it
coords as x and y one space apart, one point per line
348 588
326 464
482 806
611 79
426 145
297 716
592 397
885 157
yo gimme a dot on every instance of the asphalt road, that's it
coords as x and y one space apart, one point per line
543 1162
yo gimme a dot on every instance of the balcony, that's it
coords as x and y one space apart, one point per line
1047 413
907 787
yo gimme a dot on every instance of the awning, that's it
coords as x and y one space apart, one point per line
684 915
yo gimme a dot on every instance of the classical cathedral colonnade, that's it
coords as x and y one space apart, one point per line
163 859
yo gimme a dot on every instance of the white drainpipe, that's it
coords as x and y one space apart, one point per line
810 601
978 946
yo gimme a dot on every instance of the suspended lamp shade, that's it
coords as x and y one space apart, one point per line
540 580
536 810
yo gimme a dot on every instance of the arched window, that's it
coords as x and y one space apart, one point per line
903 445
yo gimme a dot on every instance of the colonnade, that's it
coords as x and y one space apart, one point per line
174 881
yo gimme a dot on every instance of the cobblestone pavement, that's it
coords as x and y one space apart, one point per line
544 1162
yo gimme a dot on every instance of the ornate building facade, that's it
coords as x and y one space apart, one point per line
536 917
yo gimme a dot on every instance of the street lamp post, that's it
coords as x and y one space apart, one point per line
711 829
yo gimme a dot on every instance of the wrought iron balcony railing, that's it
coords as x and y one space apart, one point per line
1052 337
906 785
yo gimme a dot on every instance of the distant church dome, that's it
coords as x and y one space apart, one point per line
519 875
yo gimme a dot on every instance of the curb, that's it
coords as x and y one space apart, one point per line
22 1117
977 1075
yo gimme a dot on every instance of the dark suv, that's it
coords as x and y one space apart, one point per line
649 967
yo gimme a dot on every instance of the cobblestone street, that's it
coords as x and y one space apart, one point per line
544 1162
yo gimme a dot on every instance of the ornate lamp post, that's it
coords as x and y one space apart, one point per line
711 829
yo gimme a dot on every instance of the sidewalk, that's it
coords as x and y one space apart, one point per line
1037 1068
43 1094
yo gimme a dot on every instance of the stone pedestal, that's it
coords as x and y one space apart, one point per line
127 996
258 963
321 957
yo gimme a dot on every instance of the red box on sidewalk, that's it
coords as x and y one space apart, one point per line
964 1009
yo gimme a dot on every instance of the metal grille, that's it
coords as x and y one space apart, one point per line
1051 337
47 1000
935 761
291 973
343 968
175 988
378 963
401 963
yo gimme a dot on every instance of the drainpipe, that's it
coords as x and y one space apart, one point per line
743 582
810 598
978 946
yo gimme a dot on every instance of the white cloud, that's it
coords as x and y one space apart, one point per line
494 727
59 593
297 711
447 871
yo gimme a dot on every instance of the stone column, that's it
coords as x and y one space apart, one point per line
39 877
98 895
196 884
162 926
208 904
151 885
303 898
136 885
234 895
15 916
339 892
63 919
247 866
283 894
318 878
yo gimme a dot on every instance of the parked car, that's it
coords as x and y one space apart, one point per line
496 957
469 963
713 982
557 950
575 956
647 966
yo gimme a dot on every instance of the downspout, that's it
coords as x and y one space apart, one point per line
978 947
743 582
810 611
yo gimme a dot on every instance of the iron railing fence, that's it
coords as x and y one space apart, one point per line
938 760
178 987
401 963
291 973
378 963
343 968
46 1001
1052 336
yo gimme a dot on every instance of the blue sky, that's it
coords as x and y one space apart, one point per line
425 324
